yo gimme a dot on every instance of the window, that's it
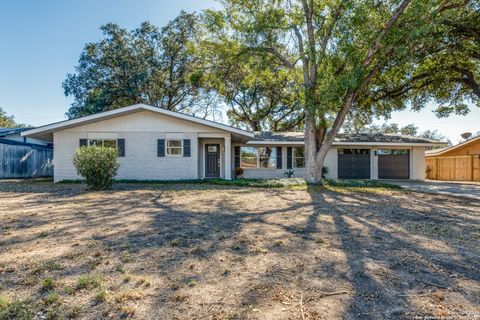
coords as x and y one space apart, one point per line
107 143
353 151
298 157
261 157
174 147
392 151
248 157
267 156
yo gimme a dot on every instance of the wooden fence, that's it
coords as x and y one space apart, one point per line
24 160
456 168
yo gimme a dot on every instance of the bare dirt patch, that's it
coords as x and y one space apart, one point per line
213 252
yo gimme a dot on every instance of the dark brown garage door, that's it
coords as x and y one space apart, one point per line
353 163
393 164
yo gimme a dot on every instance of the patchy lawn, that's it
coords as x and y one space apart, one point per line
223 252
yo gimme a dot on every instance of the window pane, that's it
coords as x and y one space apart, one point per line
299 152
400 151
248 162
174 143
110 143
248 157
384 151
95 142
299 162
174 151
267 157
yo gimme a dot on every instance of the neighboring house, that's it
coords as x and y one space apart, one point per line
158 144
22 157
456 163
14 134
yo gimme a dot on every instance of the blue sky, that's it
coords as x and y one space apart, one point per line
40 42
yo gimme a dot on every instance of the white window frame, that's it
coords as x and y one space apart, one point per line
249 168
258 167
293 158
103 142
167 148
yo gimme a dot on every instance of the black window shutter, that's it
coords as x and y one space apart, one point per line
161 147
83 142
279 157
237 157
186 147
289 157
121 147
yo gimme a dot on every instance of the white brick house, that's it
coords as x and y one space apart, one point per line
157 144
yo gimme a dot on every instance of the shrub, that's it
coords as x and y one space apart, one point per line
238 172
98 165
324 172
289 173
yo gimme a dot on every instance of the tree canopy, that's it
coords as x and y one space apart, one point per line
7 121
347 56
145 65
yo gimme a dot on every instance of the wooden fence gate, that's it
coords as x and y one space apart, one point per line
455 168
25 160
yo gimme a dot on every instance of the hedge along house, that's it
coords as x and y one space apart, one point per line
158 144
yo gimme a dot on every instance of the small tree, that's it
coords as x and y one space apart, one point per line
98 165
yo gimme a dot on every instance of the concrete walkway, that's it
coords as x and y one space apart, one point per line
458 189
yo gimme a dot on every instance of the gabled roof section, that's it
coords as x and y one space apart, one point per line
441 151
341 139
129 110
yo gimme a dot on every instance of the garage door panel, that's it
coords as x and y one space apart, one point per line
394 166
354 164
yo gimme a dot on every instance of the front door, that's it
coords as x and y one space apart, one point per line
212 160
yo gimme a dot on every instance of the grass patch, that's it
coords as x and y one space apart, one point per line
88 282
126 257
48 284
253 183
101 295
51 298
15 309
360 184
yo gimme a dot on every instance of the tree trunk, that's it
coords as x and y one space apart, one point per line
311 175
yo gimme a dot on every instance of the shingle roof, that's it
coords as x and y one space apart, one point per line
437 152
346 138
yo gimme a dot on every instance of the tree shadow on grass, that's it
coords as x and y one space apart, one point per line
221 251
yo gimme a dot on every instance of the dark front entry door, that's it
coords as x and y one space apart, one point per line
212 160
353 163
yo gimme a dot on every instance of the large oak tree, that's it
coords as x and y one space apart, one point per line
345 52
147 65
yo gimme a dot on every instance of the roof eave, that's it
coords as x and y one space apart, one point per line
345 143
47 129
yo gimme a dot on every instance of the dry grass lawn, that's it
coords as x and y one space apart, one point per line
213 252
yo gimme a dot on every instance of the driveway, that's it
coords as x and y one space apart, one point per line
458 189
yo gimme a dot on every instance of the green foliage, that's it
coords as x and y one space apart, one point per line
146 65
88 282
48 284
289 173
101 295
7 121
361 184
13 310
260 95
98 165
363 58
51 298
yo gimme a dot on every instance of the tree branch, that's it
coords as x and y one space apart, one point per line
376 46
